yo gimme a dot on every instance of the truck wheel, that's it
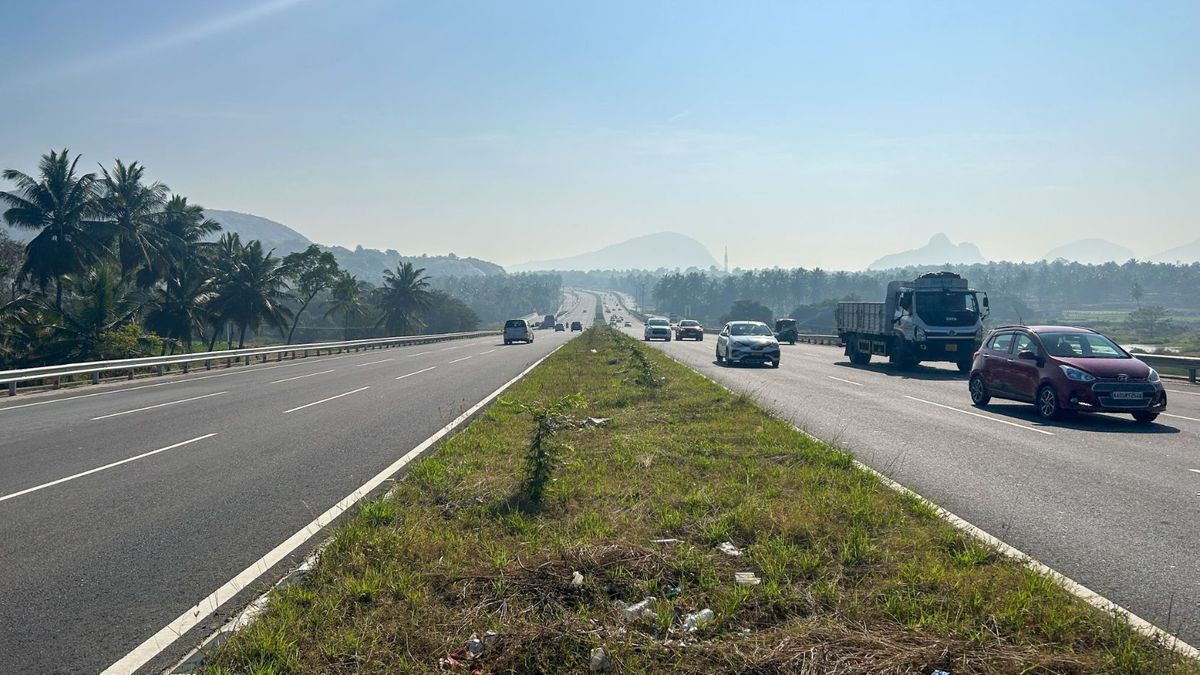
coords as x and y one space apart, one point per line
979 392
860 358
1047 403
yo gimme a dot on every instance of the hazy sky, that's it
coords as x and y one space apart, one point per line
798 133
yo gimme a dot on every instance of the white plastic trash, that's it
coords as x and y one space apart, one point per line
693 621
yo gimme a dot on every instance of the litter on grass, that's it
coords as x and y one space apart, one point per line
694 621
747 578
728 548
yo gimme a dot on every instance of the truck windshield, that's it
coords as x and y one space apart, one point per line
939 308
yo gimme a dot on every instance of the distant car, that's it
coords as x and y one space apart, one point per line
575 325
517 330
689 329
747 342
1060 368
785 330
558 328
657 328
628 325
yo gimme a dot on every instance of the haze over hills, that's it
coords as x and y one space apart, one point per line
1188 253
668 250
1090 252
940 250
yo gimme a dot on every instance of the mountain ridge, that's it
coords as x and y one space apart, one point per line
940 250
665 250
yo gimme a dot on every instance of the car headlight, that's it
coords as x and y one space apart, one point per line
1153 376
920 334
1077 375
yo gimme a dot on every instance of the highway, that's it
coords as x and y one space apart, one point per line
123 506
1107 502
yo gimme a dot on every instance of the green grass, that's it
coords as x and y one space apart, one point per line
855 577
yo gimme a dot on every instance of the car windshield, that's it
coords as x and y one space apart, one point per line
1082 346
657 322
689 323
947 307
514 323
740 329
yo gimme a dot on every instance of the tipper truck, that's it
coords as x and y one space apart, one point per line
936 317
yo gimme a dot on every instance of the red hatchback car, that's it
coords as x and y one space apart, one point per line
1059 368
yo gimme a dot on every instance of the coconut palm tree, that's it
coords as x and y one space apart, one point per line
133 214
180 305
346 297
102 303
404 294
63 208
253 290
187 227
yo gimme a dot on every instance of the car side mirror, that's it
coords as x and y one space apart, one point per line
1027 355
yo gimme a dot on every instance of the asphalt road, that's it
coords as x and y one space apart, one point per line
1107 502
97 563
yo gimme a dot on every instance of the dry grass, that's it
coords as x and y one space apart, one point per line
855 578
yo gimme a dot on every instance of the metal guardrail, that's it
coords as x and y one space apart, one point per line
160 364
1187 363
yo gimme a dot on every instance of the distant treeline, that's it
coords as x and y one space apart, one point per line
117 266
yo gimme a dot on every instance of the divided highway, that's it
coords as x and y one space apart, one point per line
123 506
1107 502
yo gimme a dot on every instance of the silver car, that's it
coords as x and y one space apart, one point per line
747 342
657 328
517 330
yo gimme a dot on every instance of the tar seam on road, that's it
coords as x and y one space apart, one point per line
165 637
975 414
462 359
301 377
306 405
102 468
158 405
857 384
424 370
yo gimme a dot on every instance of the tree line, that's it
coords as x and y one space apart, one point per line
117 266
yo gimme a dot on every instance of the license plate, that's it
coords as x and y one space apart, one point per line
1127 394
951 347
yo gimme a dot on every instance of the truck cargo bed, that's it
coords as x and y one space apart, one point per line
862 317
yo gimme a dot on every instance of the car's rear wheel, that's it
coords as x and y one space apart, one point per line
1047 403
1145 417
979 392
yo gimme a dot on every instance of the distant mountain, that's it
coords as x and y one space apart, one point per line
1188 253
940 250
273 235
1090 252
667 250
368 264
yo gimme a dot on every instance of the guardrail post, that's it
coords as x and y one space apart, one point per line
57 382
208 364
158 370
185 367
130 377
1192 375
12 388
228 363
96 378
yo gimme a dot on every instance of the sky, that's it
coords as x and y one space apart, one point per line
795 133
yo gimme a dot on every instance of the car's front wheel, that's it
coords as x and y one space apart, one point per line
1144 416
720 359
979 392
1047 403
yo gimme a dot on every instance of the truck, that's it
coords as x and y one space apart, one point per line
548 321
935 317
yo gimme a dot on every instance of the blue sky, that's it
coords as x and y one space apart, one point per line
796 133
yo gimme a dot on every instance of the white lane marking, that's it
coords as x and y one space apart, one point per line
371 363
419 354
301 377
308 405
1180 391
487 352
52 483
857 384
426 370
158 405
986 417
164 638
455 347
1181 417
1194 470
462 359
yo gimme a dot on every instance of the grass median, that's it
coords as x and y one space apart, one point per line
490 555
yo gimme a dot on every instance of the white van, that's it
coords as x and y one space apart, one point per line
517 330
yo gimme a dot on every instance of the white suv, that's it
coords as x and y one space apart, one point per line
517 330
657 328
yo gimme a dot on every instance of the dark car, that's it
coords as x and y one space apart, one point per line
689 330
575 325
785 330
1060 368
558 328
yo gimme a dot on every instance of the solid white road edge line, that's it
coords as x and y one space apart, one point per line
1180 391
462 359
423 370
1068 584
301 377
203 609
158 405
1181 417
102 468
857 384
371 363
306 405
975 414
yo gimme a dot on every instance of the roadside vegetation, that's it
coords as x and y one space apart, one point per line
118 266
621 512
